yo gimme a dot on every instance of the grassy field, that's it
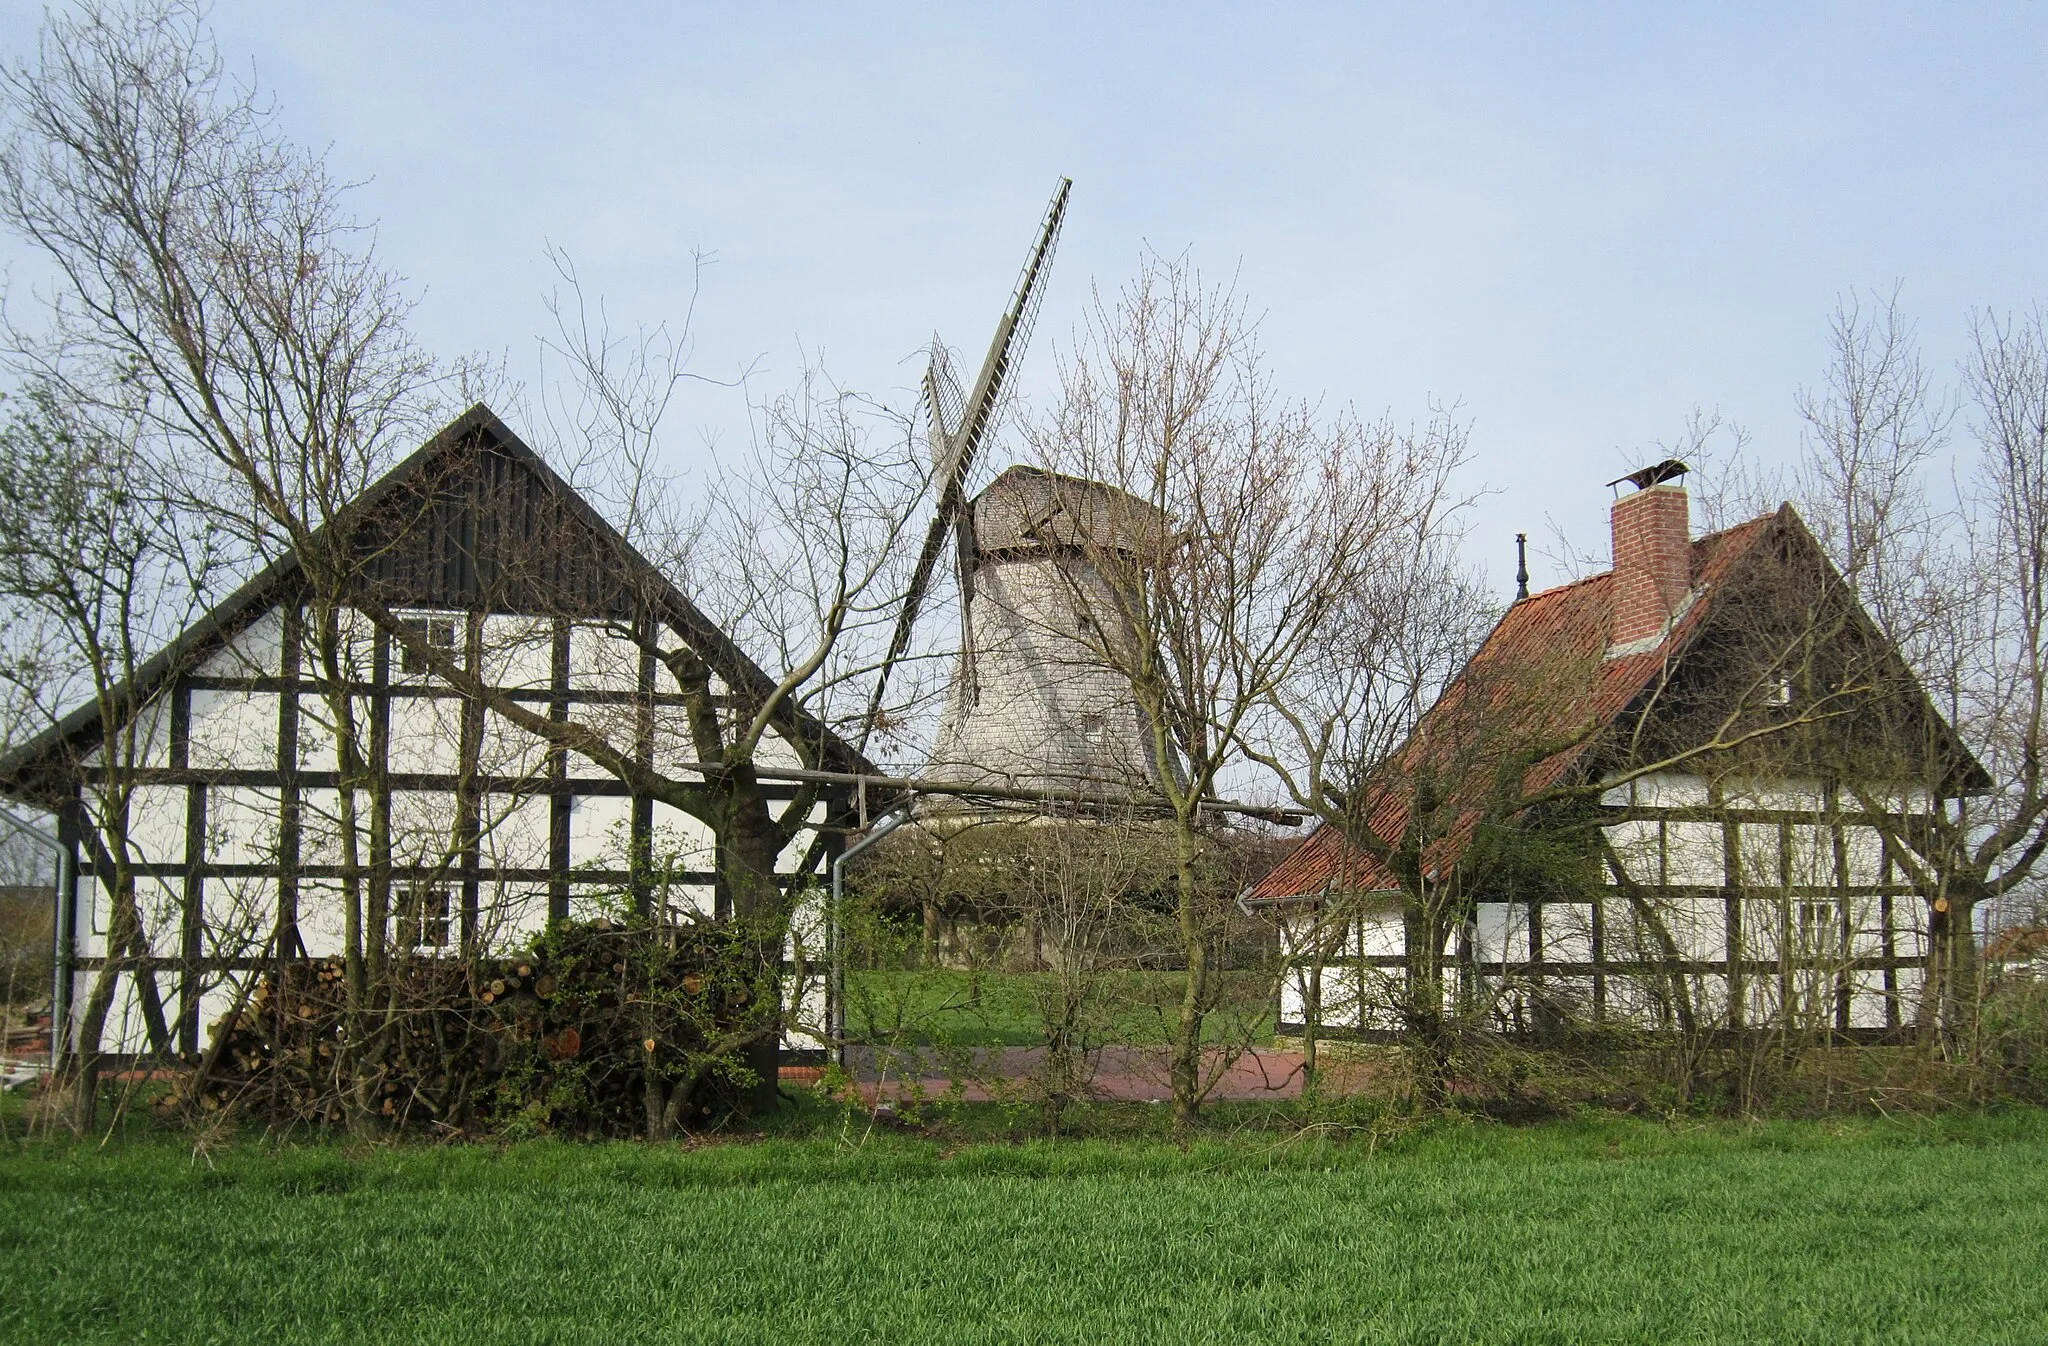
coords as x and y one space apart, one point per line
1595 1232
1008 1009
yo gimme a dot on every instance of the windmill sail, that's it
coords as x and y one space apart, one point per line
956 441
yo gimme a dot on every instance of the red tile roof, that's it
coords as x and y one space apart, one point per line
1540 677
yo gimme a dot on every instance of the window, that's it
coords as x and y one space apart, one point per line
438 632
1094 730
422 917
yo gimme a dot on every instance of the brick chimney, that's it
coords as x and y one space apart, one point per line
1652 558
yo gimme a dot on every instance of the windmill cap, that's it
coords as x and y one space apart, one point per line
1654 475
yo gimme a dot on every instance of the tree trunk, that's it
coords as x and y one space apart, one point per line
1312 1021
747 863
1950 1000
1186 1066
1429 1030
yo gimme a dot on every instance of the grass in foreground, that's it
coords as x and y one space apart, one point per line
1610 1231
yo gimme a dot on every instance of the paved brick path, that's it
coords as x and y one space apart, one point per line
1120 1074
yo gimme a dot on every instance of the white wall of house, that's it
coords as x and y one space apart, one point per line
1819 911
234 734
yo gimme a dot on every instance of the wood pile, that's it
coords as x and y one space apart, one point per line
564 1036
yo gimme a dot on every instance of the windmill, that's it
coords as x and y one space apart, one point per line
960 424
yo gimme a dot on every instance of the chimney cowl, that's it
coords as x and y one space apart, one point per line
1656 474
1652 531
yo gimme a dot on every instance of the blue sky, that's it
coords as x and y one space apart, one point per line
1578 222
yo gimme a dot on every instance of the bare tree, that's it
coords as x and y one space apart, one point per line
1952 571
212 285
98 568
1240 528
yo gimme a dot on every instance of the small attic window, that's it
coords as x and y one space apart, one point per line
1094 730
439 632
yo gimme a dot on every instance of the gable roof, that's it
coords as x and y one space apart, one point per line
433 543
1544 675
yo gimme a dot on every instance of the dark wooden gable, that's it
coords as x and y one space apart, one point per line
478 522
1786 635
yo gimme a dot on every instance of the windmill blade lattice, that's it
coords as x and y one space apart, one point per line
960 439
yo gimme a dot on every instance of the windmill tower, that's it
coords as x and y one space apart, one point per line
1033 703
1028 705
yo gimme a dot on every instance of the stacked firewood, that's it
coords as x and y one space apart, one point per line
563 1036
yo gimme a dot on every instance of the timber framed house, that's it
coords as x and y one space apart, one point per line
478 832
1651 799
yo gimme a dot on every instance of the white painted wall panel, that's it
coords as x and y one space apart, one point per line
426 735
242 825
1867 1000
518 652
682 842
1694 854
1636 845
599 831
1813 855
1758 855
1568 932
1864 851
1382 935
156 824
1500 933
599 660
514 832
234 730
255 652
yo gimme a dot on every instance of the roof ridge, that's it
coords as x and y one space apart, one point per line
1608 573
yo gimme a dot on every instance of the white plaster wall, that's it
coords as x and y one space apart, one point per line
1867 1000
422 827
1568 932
1757 855
518 652
1866 927
1909 921
598 831
506 750
1636 844
1382 936
321 918
682 842
1694 854
601 661
510 913
1863 848
1500 932
1791 794
233 730
426 735
514 832
156 824
256 652
1763 920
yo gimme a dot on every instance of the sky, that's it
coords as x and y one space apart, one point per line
1575 223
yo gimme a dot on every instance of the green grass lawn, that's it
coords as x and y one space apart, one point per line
1610 1231
1008 1009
